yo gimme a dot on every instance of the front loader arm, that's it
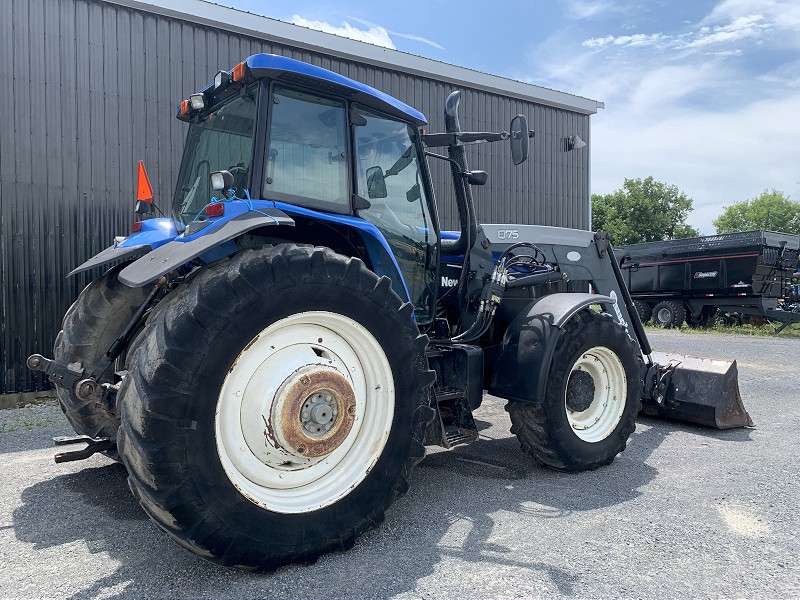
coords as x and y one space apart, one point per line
581 256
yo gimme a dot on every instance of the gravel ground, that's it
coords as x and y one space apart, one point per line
685 512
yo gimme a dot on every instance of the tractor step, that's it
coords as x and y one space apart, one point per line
456 436
93 445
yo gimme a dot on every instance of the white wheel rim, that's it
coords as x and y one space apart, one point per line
601 417
261 413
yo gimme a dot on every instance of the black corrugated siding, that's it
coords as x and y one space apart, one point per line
89 88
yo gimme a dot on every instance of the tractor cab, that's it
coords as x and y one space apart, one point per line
299 137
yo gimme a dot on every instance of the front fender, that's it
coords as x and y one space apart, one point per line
170 256
521 369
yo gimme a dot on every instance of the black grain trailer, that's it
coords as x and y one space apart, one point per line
751 273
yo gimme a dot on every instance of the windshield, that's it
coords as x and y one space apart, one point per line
222 140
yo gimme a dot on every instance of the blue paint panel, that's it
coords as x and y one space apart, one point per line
154 233
278 64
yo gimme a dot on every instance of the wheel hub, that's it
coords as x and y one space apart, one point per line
580 391
313 412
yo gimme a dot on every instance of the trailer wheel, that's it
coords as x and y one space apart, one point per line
644 309
669 314
704 319
593 394
90 326
276 407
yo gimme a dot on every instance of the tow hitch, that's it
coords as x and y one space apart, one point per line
93 445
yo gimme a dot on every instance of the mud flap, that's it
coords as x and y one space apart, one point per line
699 390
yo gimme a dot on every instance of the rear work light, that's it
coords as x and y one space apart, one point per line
198 101
215 209
221 79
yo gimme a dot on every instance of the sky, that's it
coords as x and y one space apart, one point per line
703 95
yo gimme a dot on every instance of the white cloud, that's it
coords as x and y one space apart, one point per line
784 14
587 9
638 39
373 35
750 26
407 36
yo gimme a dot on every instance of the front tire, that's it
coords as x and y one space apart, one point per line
275 409
589 408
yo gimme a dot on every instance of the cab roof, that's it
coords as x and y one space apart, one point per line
291 71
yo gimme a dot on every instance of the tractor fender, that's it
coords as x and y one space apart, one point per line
172 255
523 362
109 255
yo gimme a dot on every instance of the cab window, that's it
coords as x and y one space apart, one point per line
389 176
307 151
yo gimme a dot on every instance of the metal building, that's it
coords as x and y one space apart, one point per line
89 87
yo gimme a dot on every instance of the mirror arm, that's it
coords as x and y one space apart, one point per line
464 174
438 140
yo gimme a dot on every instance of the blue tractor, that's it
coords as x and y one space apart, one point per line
270 360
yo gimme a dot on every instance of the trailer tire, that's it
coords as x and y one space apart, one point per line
90 326
644 309
233 356
560 430
704 320
669 314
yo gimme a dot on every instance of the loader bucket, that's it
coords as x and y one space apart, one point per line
700 390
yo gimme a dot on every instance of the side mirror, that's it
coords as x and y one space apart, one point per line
221 181
477 177
376 183
519 139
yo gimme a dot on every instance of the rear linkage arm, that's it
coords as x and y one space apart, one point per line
72 376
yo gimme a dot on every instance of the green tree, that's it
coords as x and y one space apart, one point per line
644 210
771 211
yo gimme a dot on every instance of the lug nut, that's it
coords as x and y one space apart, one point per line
304 380
351 410
301 449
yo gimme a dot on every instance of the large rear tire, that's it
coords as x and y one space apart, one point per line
90 326
276 407
589 408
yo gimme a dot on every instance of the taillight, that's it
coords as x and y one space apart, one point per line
215 209
184 108
136 226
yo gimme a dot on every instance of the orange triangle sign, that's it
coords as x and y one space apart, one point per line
144 191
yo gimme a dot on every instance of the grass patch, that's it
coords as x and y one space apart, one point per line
766 330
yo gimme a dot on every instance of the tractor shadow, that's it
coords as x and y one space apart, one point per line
447 520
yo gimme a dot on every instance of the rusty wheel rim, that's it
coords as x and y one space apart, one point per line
305 412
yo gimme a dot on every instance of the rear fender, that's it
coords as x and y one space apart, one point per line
154 233
174 254
521 369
